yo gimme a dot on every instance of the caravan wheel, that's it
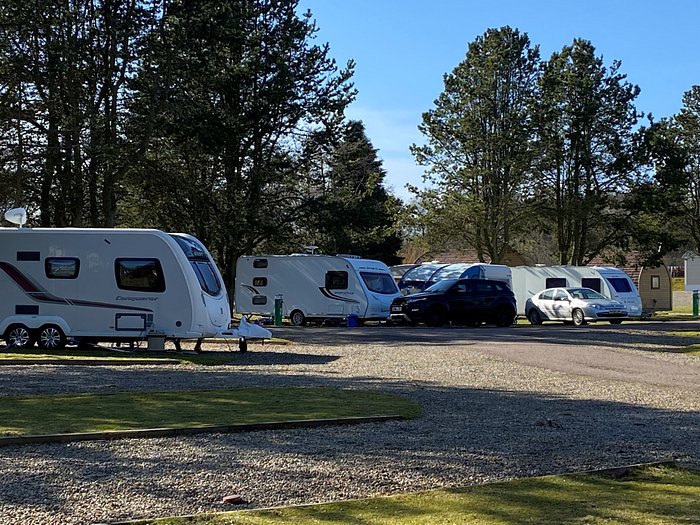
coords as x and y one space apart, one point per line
51 337
297 318
18 336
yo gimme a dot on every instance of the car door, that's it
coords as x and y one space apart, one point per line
561 305
545 303
463 300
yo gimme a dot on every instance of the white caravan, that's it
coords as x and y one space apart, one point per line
91 285
314 287
608 281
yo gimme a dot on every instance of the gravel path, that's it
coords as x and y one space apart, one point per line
487 417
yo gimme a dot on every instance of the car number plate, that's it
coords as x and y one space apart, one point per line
395 308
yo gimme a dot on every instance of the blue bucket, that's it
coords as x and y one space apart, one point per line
353 320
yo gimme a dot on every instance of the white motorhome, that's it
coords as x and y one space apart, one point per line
314 287
608 281
92 285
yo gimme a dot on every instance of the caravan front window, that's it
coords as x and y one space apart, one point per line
139 275
379 282
201 264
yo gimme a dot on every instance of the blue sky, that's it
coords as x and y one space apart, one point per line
402 49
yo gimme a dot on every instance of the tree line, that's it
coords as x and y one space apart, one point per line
552 158
226 119
222 118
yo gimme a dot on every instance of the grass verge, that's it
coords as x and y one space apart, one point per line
207 358
646 496
41 415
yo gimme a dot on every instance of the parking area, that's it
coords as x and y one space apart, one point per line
498 403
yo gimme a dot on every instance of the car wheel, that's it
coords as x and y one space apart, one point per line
297 318
534 317
504 317
18 336
51 337
578 317
616 321
435 317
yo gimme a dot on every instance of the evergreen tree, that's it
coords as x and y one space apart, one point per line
226 96
585 122
353 213
479 145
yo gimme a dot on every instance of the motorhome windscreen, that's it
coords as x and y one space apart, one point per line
201 263
620 284
379 282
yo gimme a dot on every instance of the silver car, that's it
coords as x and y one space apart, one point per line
573 305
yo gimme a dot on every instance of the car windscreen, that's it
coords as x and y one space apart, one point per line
379 282
441 286
451 271
621 284
585 293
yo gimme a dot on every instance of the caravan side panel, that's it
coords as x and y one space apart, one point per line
318 286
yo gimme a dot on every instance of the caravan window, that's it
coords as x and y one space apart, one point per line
139 275
591 282
259 263
206 277
336 280
555 282
620 284
62 267
379 282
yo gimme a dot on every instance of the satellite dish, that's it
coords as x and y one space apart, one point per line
16 216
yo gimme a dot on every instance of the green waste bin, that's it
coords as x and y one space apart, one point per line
695 303
278 310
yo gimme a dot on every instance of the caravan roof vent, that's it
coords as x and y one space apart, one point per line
16 216
347 256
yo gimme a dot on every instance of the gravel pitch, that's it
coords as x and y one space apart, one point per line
486 418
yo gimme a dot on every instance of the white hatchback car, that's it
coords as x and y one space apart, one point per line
573 305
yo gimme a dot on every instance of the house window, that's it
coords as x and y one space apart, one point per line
62 267
139 275
655 282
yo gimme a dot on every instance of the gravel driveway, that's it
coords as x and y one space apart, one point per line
497 404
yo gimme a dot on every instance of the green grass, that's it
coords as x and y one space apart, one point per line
649 496
208 358
128 411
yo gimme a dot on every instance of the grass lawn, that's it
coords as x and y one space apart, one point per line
210 358
129 411
647 496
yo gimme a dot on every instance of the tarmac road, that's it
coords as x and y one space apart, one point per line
632 352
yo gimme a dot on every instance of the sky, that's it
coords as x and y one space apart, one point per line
403 48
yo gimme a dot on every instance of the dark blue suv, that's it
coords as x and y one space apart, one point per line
459 301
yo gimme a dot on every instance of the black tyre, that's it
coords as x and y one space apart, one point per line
297 318
616 321
435 317
504 317
243 345
19 336
577 317
534 317
51 337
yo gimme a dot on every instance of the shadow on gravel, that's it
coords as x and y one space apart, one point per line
654 336
465 436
